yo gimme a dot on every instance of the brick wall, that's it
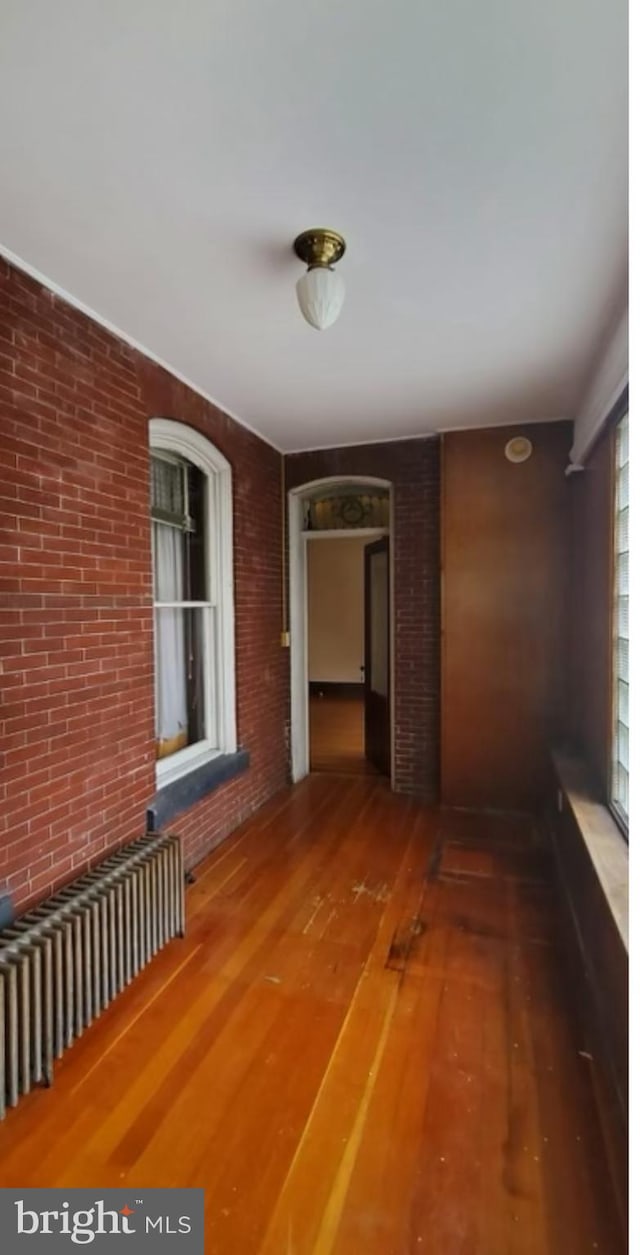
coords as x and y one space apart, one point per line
413 467
76 682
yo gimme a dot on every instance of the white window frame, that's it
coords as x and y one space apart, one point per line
168 436
614 801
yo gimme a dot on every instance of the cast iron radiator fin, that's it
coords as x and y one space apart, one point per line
62 963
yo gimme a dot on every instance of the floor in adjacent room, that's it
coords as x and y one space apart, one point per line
336 735
362 1045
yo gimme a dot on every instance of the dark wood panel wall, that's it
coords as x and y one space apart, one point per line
505 555
591 498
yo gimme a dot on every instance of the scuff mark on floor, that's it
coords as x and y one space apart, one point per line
377 893
435 859
317 903
403 943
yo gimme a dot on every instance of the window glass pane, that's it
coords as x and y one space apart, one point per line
167 487
179 678
622 659
623 702
623 486
195 664
623 530
623 745
211 625
195 539
620 746
350 507
168 563
622 573
179 552
623 618
621 798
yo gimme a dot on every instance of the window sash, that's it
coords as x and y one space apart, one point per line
619 783
174 761
207 683
178 441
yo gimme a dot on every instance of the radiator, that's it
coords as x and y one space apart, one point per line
62 963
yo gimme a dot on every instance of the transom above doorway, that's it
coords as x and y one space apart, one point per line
345 506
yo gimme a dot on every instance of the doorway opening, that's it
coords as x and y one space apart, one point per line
336 647
341 627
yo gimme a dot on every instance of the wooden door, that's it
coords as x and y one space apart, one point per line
377 726
505 531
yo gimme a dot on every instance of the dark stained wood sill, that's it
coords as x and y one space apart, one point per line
606 846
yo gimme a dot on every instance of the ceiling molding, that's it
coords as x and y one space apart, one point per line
428 435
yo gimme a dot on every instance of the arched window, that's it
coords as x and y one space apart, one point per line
192 542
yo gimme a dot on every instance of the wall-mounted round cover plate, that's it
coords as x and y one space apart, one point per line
518 449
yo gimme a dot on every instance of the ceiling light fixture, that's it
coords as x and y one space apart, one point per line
321 291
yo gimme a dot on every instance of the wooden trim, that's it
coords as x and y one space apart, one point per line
336 688
443 610
377 708
346 533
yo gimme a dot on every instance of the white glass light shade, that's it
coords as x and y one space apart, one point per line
320 296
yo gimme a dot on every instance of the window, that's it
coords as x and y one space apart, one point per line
193 599
620 740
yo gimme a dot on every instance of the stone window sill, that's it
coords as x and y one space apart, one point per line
180 795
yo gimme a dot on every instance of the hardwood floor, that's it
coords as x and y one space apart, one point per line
361 1046
336 735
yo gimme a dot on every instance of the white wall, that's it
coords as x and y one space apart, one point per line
335 570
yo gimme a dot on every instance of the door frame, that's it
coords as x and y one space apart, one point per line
371 697
298 609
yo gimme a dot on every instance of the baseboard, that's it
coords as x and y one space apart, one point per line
334 688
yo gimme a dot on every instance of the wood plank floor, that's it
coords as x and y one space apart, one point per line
361 1046
336 735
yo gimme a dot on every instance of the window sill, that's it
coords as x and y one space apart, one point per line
605 843
179 795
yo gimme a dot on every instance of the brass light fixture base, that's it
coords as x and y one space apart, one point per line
319 247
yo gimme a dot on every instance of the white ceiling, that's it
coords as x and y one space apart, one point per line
158 159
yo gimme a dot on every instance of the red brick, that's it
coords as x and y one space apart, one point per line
78 691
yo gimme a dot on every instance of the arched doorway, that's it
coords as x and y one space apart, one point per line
330 509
